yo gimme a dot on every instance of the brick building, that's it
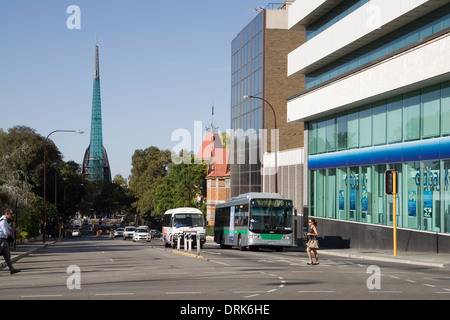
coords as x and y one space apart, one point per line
259 70
218 172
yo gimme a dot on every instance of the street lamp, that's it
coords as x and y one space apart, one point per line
275 127
44 232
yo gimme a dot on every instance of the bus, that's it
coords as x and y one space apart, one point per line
180 220
254 220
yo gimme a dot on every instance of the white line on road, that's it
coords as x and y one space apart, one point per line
43 296
250 291
317 291
186 292
223 263
115 294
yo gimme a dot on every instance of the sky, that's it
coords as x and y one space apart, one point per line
163 65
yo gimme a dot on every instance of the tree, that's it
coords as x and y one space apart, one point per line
184 186
31 165
21 177
149 167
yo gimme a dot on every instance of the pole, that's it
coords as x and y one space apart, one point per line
44 231
276 146
394 194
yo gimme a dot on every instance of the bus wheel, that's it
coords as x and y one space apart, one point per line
241 247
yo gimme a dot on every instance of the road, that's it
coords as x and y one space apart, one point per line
104 269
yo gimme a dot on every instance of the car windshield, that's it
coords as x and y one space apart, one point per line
141 230
188 220
130 229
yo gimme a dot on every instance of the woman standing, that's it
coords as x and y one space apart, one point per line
313 243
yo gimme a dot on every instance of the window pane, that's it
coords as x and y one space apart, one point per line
330 204
445 112
313 138
413 195
331 134
379 123
394 119
431 111
342 132
352 126
412 115
321 136
365 125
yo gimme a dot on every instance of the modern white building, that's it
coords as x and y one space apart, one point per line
377 97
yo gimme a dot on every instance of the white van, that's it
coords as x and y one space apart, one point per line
180 220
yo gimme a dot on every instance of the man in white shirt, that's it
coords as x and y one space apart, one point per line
5 230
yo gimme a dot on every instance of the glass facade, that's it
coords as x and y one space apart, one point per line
419 29
333 16
349 153
246 115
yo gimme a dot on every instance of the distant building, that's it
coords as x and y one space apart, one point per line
218 174
95 162
259 68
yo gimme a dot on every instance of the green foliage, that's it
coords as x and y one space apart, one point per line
150 166
184 186
159 185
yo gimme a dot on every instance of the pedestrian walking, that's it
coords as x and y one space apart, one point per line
5 231
313 243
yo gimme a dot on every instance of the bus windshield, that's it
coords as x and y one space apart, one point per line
270 216
188 220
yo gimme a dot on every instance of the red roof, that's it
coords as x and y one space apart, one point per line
219 165
213 153
210 142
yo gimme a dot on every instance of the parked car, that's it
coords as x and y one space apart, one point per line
76 232
118 232
155 233
128 232
142 234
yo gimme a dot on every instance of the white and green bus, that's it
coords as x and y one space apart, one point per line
254 220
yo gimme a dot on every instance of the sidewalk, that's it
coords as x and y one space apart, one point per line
427 259
23 250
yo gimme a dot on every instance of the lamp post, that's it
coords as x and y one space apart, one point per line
275 127
44 231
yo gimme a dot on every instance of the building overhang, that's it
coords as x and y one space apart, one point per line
415 68
370 22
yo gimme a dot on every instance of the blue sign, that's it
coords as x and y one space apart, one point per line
427 203
412 204
341 200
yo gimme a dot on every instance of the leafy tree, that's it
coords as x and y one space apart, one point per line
22 137
149 167
184 186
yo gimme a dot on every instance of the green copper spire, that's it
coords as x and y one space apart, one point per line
96 164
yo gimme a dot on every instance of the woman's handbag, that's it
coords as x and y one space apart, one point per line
313 244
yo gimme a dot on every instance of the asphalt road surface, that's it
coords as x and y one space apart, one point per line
91 268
